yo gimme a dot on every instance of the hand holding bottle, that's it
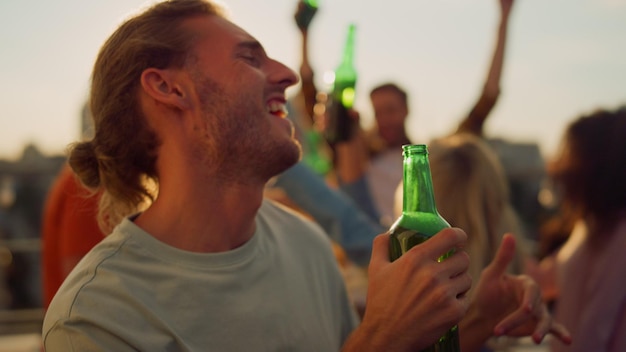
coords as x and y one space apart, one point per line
304 13
414 300
351 155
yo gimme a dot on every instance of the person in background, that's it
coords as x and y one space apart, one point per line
590 172
334 211
316 153
190 125
305 187
390 103
70 230
69 227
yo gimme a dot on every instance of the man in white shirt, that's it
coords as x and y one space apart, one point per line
189 126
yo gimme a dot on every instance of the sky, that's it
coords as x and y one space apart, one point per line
564 58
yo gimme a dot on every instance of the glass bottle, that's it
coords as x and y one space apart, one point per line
419 221
340 124
313 153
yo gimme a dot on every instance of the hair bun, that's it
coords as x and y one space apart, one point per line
84 161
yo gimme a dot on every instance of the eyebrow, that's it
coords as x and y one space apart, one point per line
251 45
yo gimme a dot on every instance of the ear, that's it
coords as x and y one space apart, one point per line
165 87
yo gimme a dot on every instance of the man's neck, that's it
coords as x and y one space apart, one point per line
207 219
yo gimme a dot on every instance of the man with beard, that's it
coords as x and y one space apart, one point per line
189 126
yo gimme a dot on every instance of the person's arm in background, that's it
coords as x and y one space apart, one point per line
333 210
350 156
351 162
308 89
475 121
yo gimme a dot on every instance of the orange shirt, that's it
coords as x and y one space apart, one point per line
70 230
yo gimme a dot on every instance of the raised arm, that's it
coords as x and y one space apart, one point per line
303 17
475 121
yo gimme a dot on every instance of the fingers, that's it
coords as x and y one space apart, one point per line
457 264
440 244
543 326
380 252
504 256
531 307
453 268
561 333
546 325
430 250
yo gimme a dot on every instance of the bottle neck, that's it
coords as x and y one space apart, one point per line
348 51
418 194
345 74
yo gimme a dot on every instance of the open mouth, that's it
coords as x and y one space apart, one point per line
277 109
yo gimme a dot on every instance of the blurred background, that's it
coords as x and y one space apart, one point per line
563 58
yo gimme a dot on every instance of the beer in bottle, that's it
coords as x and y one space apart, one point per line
339 125
419 221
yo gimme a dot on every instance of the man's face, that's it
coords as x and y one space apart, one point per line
390 113
241 94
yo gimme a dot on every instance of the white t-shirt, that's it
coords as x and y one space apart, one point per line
383 177
280 291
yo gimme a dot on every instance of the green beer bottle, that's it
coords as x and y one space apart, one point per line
340 124
419 221
313 154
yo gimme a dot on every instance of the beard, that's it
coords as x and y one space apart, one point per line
235 141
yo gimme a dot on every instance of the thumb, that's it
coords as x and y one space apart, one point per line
504 256
380 253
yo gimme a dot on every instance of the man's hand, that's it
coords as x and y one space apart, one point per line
414 300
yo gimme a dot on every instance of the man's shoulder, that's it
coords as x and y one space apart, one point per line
87 291
282 220
272 208
95 260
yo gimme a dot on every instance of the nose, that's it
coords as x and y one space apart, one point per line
283 75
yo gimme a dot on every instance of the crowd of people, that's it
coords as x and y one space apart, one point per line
199 241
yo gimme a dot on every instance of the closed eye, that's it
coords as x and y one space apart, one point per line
251 52
251 59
